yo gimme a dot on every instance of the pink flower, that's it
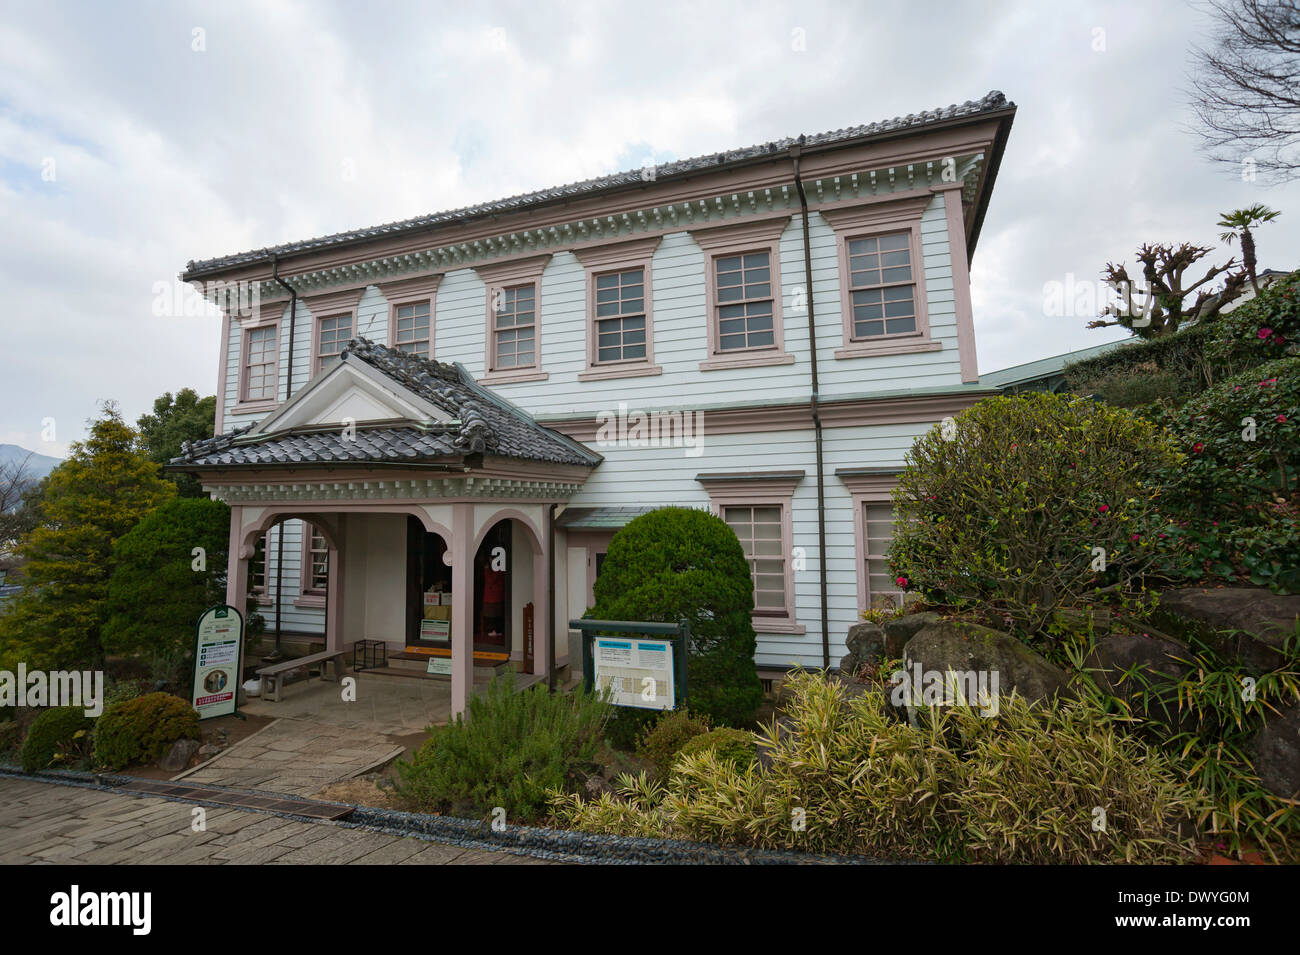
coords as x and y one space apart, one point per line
1197 448
1135 537
901 581
1264 333
1281 419
1268 382
1104 508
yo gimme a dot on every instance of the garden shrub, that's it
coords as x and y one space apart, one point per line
1006 510
143 729
661 742
1172 366
678 563
1232 497
58 736
1018 787
1264 328
728 745
508 751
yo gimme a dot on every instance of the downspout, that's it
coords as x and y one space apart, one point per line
795 152
288 391
550 599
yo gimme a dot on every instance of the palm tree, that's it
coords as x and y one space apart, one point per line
1240 221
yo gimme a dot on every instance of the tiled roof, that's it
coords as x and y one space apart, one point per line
483 423
991 102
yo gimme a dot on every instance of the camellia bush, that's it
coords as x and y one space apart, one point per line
674 564
1265 328
1030 504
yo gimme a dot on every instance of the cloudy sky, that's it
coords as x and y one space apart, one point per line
137 136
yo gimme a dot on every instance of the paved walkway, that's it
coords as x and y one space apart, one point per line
46 823
392 705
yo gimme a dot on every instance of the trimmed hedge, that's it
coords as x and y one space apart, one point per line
59 735
1173 367
143 729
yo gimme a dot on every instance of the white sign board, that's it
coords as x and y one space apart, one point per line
218 655
640 672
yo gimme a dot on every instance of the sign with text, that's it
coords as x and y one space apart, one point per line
218 661
638 671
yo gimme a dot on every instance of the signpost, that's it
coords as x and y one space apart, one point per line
218 662
643 667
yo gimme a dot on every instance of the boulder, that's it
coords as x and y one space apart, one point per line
966 647
901 629
1275 751
866 640
1243 623
1159 661
178 757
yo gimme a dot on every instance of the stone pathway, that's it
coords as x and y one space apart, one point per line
297 757
48 823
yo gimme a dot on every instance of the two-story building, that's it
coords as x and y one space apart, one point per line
428 431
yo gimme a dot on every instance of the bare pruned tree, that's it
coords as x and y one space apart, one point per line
1247 86
1165 286
16 487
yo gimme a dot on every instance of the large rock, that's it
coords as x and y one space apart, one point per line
1159 662
178 757
1261 619
967 647
1275 751
865 641
899 630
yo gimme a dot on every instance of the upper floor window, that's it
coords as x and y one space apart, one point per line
882 285
332 335
620 309
620 316
411 332
744 293
261 364
514 329
411 314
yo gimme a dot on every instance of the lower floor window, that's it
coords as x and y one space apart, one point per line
759 530
882 587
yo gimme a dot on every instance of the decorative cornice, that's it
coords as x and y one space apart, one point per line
758 230
871 214
358 492
413 289
344 300
618 253
513 270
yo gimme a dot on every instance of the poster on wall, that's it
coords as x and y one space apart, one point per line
639 672
218 661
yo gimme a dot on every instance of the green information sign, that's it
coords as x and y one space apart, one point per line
218 661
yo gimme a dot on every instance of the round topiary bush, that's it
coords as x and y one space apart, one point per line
662 741
677 563
1028 504
143 729
728 745
60 735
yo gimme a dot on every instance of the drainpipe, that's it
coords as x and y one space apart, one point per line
550 599
795 152
288 390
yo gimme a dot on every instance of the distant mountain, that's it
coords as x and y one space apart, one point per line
38 465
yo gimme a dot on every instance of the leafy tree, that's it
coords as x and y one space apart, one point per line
1238 223
678 563
1166 288
187 417
156 594
98 494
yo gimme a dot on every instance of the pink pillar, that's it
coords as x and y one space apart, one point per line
541 608
334 611
237 565
462 606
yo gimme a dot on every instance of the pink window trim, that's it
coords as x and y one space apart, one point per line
763 489
759 235
513 273
411 292
603 260
867 220
331 305
242 403
866 489
307 596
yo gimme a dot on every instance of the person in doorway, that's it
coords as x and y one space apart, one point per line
494 596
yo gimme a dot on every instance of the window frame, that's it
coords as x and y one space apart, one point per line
763 489
866 486
262 594
722 241
606 260
875 219
242 402
417 291
308 595
501 276
324 307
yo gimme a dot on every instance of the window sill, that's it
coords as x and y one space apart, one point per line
263 601
719 362
510 377
247 407
601 372
310 600
898 347
778 625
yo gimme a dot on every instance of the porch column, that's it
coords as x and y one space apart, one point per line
462 606
236 564
543 626
334 589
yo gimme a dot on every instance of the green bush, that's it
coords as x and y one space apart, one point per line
509 751
1022 786
728 745
142 730
661 742
1006 509
1172 366
679 563
1265 328
59 736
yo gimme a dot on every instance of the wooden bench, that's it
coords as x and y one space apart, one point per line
270 675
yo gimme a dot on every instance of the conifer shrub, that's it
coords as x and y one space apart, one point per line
142 730
59 737
662 741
